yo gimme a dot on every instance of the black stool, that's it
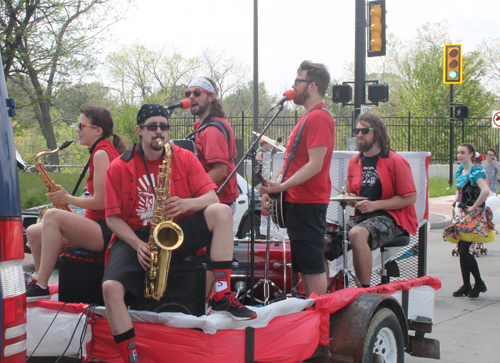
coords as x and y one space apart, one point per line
400 241
80 276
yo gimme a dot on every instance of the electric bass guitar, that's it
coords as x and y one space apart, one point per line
277 200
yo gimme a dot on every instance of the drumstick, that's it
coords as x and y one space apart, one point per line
339 191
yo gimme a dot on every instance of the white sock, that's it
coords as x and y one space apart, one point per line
43 287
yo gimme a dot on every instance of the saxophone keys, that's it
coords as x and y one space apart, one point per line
152 273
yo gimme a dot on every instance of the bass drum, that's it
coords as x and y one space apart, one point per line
279 269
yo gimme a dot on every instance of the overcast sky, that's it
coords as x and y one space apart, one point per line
290 31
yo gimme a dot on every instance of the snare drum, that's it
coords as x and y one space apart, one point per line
279 267
186 144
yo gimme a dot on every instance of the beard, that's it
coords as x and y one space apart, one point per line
153 144
365 146
201 109
301 98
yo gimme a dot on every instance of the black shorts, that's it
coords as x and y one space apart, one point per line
106 233
306 224
123 265
381 225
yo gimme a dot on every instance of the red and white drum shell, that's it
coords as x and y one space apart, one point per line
279 267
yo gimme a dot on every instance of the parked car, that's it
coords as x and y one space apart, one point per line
242 216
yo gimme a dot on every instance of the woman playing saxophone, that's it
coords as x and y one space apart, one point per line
60 228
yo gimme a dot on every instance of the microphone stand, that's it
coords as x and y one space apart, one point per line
250 153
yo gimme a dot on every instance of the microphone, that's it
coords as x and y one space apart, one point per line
185 103
287 96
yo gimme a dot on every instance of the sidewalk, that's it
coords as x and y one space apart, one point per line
440 211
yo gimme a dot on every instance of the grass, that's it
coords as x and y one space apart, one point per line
438 187
33 188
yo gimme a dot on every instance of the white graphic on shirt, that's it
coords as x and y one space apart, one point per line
146 199
370 176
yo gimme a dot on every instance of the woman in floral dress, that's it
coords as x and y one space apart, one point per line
472 223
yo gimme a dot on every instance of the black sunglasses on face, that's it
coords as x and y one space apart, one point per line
298 80
196 92
364 131
153 127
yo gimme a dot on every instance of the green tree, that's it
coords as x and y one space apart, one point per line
144 75
52 43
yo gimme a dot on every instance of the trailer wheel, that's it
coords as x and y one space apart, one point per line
384 339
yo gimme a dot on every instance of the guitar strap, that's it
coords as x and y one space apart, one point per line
210 122
297 140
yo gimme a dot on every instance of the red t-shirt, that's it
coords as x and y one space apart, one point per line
318 130
129 195
107 146
212 148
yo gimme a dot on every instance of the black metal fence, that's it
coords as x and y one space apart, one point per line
407 133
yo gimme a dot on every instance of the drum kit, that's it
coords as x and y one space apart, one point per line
344 273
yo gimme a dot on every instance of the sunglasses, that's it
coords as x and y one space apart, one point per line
153 127
298 80
196 92
364 131
81 124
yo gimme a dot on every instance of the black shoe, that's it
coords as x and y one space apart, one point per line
463 291
230 306
35 292
478 288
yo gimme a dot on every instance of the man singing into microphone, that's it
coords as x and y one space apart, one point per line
216 146
307 181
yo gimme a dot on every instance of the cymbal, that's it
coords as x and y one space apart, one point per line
270 141
347 198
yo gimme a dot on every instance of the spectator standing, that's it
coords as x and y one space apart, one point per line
492 168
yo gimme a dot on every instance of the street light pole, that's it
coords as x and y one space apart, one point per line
359 58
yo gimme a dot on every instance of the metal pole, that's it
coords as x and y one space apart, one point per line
255 66
255 128
359 57
409 130
452 137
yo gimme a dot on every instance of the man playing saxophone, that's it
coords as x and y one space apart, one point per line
193 205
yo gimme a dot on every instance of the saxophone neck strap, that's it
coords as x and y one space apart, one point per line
85 168
147 173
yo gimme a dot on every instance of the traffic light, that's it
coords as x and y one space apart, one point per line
376 32
452 64
461 111
341 93
378 92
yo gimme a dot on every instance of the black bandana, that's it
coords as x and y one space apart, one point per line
150 110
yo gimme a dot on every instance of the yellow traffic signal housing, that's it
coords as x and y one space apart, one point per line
452 64
376 32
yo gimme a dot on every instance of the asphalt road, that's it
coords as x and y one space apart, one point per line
468 329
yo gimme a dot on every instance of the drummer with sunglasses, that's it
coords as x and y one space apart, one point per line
385 178
216 152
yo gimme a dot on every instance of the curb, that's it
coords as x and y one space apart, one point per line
439 221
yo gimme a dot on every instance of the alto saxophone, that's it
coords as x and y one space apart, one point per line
47 179
165 235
